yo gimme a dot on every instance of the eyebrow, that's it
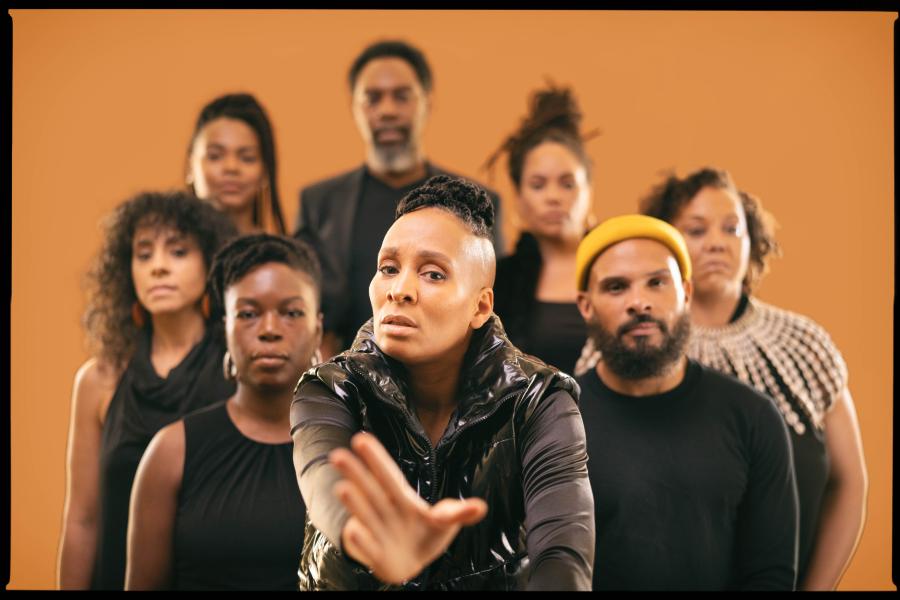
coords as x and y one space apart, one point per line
380 90
256 302
177 238
426 254
221 146
655 273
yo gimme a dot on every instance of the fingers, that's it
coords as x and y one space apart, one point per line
453 512
360 507
385 470
359 544
355 472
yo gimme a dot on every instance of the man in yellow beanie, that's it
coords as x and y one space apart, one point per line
690 469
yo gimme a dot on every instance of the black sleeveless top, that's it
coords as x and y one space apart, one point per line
142 404
240 517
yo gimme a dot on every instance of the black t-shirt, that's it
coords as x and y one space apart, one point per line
374 216
693 488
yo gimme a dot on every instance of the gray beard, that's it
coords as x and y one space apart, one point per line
394 160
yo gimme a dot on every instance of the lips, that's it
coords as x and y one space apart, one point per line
156 289
231 188
398 320
390 135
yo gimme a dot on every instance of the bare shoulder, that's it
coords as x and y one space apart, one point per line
168 443
95 384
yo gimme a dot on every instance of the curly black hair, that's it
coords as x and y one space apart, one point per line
241 255
246 108
666 201
393 49
110 328
553 116
464 199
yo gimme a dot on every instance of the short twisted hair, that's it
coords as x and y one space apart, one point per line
667 200
108 321
553 116
243 254
467 201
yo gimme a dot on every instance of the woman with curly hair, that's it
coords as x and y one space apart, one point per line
780 353
157 356
218 487
231 163
551 172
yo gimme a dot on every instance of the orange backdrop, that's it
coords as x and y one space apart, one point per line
798 106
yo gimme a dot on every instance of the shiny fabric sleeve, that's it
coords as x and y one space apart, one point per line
767 520
320 422
559 504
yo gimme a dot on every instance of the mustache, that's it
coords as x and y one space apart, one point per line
638 320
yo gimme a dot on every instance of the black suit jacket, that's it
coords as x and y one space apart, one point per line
325 220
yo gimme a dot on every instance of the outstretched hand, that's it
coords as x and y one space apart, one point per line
392 530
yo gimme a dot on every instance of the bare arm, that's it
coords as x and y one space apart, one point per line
844 501
151 517
93 389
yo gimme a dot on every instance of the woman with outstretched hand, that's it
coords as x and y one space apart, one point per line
471 471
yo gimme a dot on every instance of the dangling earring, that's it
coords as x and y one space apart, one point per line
316 358
228 367
137 315
204 307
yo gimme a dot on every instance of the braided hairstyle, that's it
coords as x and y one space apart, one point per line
553 116
667 200
247 252
246 108
467 201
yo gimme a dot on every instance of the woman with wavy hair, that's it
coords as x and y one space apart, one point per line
551 173
157 354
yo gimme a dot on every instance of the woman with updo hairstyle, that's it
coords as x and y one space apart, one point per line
783 354
551 173
216 504
231 163
433 454
157 354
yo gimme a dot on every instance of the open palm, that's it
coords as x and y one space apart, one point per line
392 530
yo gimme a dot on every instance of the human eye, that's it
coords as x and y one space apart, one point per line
434 275
245 313
180 251
613 287
372 98
732 229
388 270
295 313
695 231
250 158
655 282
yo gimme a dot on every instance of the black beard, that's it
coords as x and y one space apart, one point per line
643 361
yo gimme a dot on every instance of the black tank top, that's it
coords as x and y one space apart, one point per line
239 524
142 404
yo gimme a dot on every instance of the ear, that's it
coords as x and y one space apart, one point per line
688 292
484 308
319 329
584 306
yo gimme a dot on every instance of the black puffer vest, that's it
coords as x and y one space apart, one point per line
478 456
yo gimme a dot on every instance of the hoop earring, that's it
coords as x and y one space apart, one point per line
137 315
316 358
228 367
204 307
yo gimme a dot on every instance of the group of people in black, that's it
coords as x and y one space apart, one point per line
380 399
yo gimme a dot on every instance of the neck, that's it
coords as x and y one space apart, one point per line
397 179
271 407
243 220
433 389
557 248
178 331
557 270
650 386
714 309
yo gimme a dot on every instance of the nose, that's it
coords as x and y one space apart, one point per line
714 240
638 303
231 163
403 287
270 327
387 108
159 265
